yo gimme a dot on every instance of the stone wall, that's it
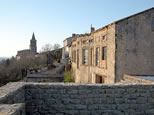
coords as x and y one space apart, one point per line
12 93
12 109
133 79
85 99
12 99
134 43
76 99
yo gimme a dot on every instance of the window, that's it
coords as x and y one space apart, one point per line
74 56
85 56
104 53
91 40
153 24
91 56
97 56
103 38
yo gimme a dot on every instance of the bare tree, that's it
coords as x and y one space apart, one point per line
46 48
56 46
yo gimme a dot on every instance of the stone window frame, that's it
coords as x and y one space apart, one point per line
78 58
103 38
97 61
84 60
102 55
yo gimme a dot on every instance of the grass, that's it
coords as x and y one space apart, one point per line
68 76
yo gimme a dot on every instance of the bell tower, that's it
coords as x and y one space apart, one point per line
33 46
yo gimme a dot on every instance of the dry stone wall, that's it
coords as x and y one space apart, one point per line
76 99
12 93
133 79
85 99
12 99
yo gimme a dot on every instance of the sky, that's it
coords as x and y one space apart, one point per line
52 21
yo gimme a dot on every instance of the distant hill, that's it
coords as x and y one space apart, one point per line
3 58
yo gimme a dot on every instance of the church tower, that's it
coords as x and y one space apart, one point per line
33 46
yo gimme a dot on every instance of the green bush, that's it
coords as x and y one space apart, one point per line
68 76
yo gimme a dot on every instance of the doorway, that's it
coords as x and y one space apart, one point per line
99 79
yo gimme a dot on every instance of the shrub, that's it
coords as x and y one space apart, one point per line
68 76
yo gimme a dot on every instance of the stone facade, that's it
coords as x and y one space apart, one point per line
67 44
77 99
122 47
134 45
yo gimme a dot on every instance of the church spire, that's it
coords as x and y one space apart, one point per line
33 36
33 42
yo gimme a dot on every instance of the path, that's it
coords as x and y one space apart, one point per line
53 75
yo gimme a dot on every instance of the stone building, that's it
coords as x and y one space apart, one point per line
33 42
123 47
28 52
67 44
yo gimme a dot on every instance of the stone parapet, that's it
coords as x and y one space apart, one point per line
75 99
70 99
12 109
12 99
12 93
133 79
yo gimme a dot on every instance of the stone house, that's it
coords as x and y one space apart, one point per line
67 44
123 47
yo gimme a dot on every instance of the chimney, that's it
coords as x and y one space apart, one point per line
92 29
73 35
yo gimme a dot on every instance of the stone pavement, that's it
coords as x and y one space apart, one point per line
53 75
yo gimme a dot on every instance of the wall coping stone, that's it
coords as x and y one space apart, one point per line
9 89
11 109
134 79
16 87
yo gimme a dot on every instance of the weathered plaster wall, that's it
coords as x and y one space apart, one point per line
85 99
135 45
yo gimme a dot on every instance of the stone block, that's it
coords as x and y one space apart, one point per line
93 107
149 111
72 92
141 100
75 101
109 100
153 95
84 112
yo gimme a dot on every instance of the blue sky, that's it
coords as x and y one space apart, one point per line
54 20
